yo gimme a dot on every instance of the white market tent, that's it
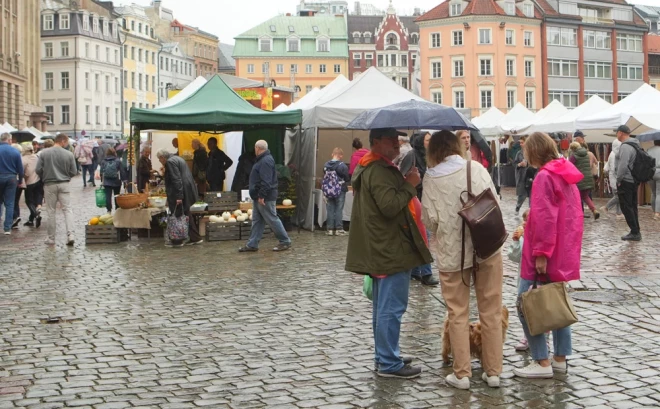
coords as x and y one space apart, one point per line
315 98
547 115
517 118
488 122
281 107
184 93
639 111
9 128
566 122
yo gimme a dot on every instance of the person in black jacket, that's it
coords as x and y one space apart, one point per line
200 165
243 170
218 164
263 191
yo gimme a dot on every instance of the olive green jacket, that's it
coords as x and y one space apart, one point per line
383 238
581 161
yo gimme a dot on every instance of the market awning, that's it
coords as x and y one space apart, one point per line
214 107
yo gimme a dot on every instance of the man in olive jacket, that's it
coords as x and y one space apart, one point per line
385 242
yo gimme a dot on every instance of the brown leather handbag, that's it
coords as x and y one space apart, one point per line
482 215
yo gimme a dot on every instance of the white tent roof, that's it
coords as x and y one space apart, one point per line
328 92
8 127
371 90
184 93
517 118
281 107
488 121
547 115
566 122
312 95
638 110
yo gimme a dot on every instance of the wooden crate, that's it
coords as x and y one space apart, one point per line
104 234
222 231
226 202
245 206
247 226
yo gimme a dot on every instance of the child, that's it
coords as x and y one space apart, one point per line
515 254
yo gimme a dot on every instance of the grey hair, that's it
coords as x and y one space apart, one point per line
5 137
163 153
261 144
404 139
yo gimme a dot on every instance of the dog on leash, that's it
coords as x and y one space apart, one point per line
475 337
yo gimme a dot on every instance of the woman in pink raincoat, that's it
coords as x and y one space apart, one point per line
553 241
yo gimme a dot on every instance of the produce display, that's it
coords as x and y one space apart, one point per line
105 220
232 217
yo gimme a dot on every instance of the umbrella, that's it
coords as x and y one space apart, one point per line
648 136
412 114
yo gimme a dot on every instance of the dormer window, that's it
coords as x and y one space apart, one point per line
414 38
392 39
357 38
265 44
105 28
323 44
95 25
315 29
510 8
455 9
85 20
273 29
293 44
528 9
113 30
48 22
367 38
292 29
65 21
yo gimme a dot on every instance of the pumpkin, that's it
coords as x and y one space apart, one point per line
216 219
238 213
249 212
232 220
287 202
226 215
241 218
94 221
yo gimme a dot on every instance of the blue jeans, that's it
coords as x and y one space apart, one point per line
8 185
561 338
390 300
425 270
262 215
335 208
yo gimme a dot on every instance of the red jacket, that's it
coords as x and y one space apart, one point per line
355 159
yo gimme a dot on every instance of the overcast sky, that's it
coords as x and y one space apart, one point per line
229 18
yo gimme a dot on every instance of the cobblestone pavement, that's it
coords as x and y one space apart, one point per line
153 327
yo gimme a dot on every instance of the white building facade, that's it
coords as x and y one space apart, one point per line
81 71
175 70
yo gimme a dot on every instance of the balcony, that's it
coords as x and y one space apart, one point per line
654 70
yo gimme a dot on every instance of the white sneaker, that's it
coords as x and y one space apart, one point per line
534 371
70 240
329 233
559 367
8 232
340 233
463 383
522 345
49 242
492 381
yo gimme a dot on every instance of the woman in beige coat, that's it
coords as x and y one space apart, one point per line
445 179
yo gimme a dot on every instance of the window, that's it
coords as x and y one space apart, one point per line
337 69
64 21
167 64
153 84
435 40
562 68
48 22
594 69
96 82
511 98
568 98
528 38
146 57
393 60
49 81
369 59
455 9
265 45
250 68
87 81
95 25
66 114
484 36
628 42
380 60
280 68
561 36
140 54
65 80
146 82
86 50
528 10
116 85
97 114
404 83
629 72
414 38
98 53
357 60
322 68
510 8
125 79
107 84
293 44
529 68
530 100
404 60
323 45
107 54
50 112
486 98
485 67
153 56
597 39
140 82
126 109
459 99
125 51
391 39
88 120
64 45
265 68
510 37
357 38
133 80
105 28
622 95
85 20
510 67
308 68
116 116
457 37
308 89
49 50
436 69
107 116
294 68
367 38
458 68
436 96
606 96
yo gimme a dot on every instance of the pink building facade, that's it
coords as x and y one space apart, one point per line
482 53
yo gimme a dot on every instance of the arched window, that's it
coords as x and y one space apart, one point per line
357 38
367 38
414 38
391 39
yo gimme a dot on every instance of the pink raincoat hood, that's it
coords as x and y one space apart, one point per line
565 169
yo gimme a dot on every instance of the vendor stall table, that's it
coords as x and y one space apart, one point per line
323 214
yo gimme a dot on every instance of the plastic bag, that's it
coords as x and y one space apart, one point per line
368 286
177 227
100 197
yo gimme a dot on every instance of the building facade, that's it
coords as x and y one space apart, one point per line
202 46
300 52
654 60
140 49
175 70
81 69
592 48
20 92
388 42
482 53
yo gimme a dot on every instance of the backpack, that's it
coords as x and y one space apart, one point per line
111 170
642 167
331 185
